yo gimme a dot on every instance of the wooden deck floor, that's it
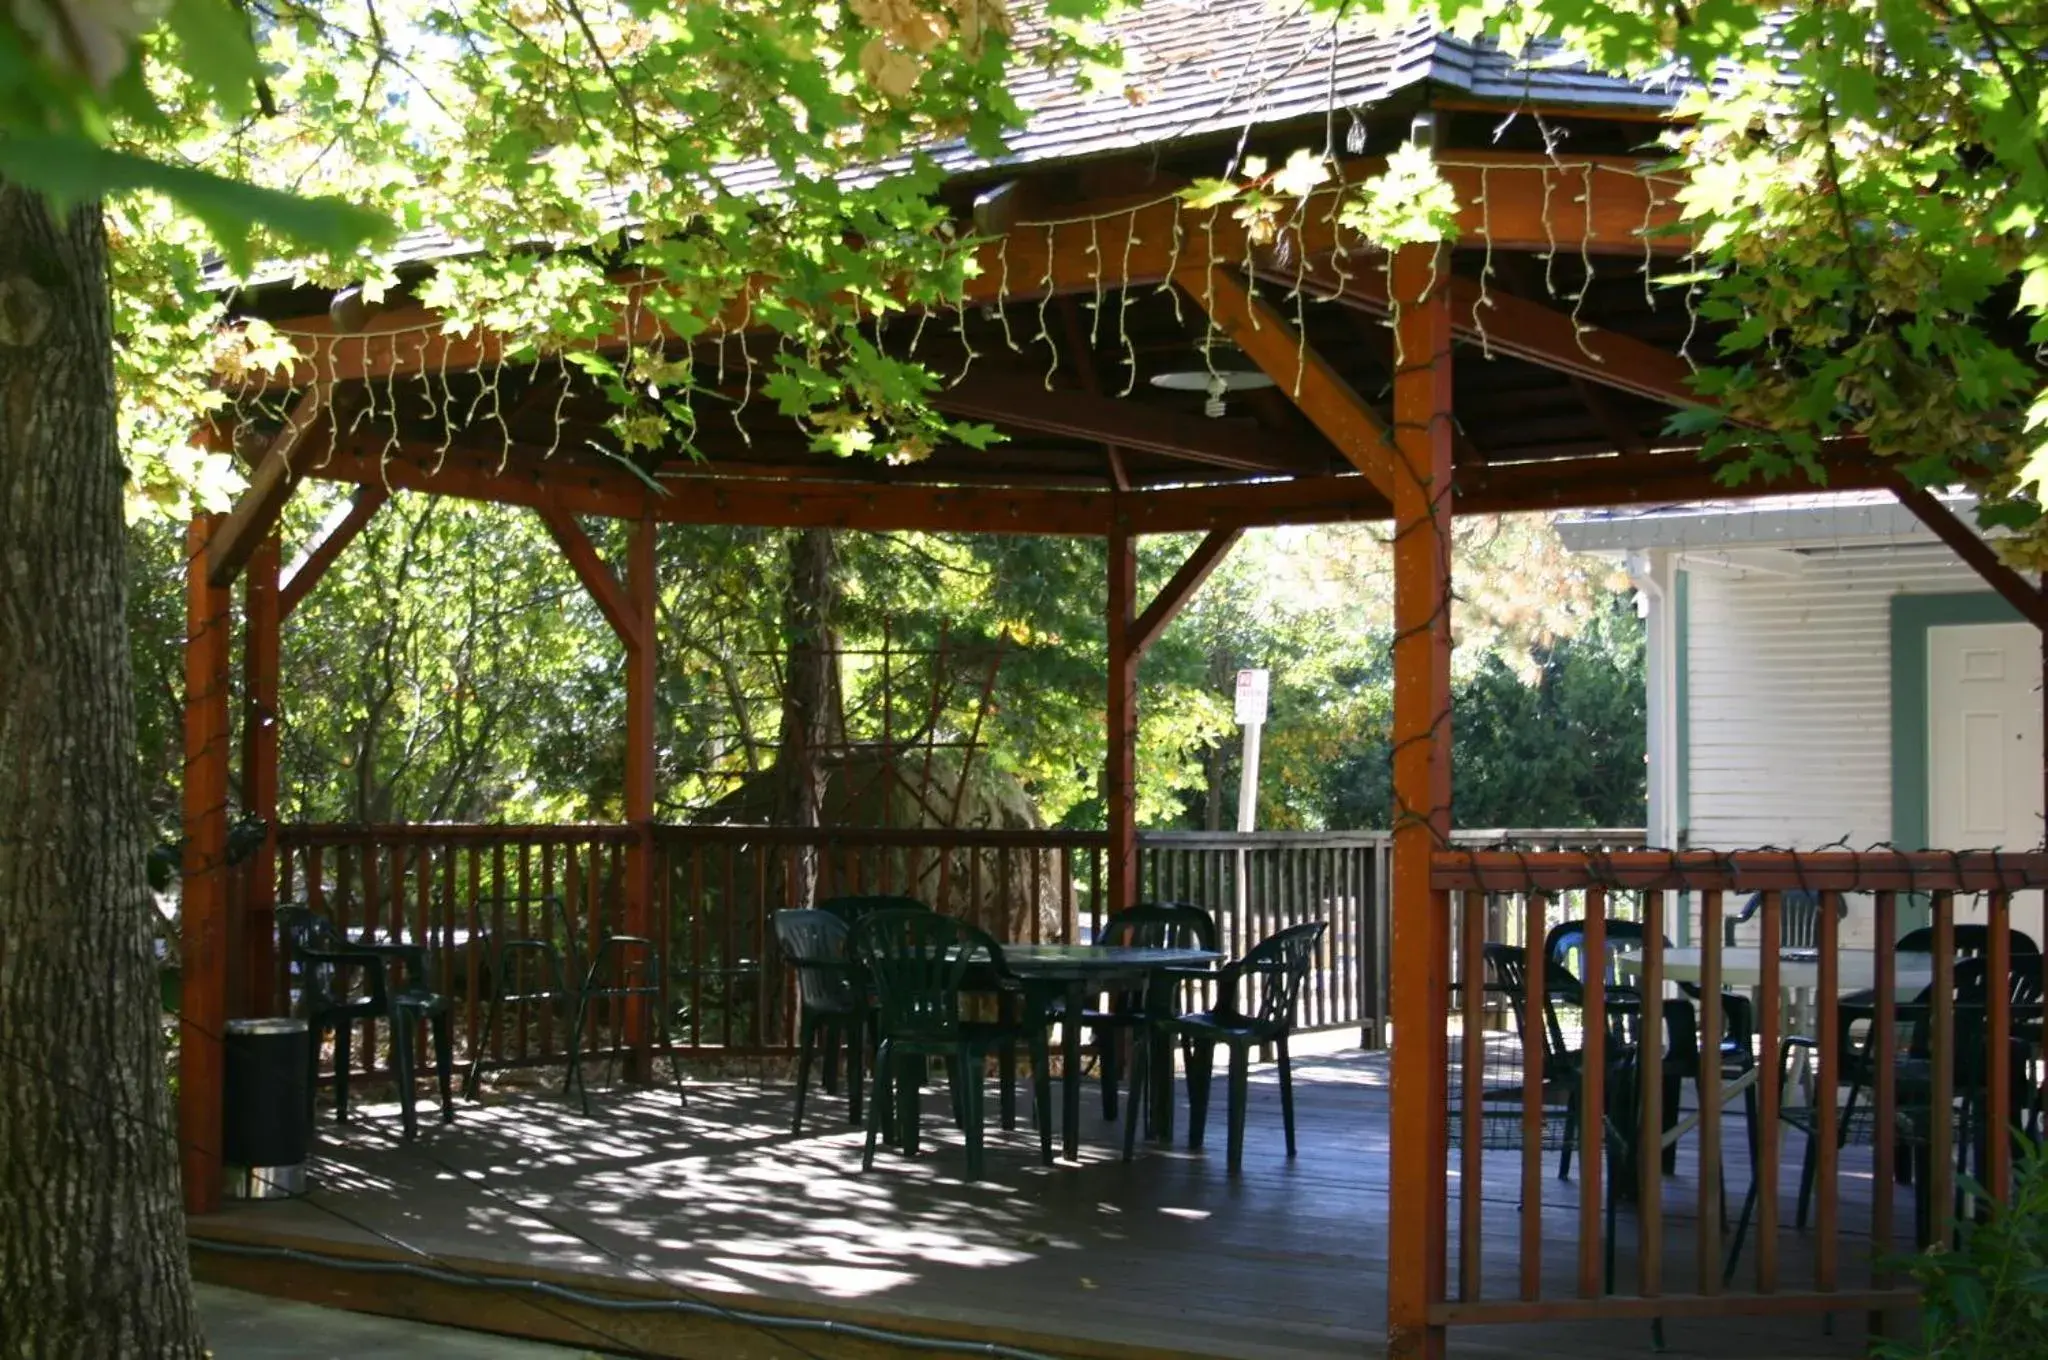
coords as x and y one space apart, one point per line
1165 1256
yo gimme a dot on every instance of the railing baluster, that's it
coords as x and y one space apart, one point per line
1884 1097
697 913
474 960
762 994
1827 1158
1997 1132
522 984
1592 1089
1941 1039
1535 991
1650 1106
1769 1088
1471 1185
1711 1101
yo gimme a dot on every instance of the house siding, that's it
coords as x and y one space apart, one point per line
1788 698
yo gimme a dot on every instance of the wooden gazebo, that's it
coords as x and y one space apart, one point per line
1531 366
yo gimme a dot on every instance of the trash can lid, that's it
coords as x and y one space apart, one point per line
275 1025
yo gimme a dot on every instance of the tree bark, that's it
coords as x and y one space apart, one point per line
92 1245
810 696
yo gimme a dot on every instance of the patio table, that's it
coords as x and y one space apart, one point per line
1798 969
1075 972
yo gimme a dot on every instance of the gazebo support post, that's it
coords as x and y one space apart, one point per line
1120 778
202 920
642 592
260 651
1417 1242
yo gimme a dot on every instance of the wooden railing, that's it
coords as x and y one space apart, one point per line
716 888
720 885
1260 882
452 888
1530 1061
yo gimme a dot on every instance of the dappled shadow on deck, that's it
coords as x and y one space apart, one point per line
1168 1252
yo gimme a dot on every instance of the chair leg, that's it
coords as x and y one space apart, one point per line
1108 1045
1286 1092
1135 1109
1201 1060
830 1078
1006 1068
880 1107
807 1034
344 1039
909 1097
853 1030
1571 1132
401 1069
444 1054
1240 1094
1041 1086
474 1075
574 1077
970 1062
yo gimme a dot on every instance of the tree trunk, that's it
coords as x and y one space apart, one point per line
810 695
92 1245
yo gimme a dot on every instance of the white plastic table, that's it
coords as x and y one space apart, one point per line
1798 969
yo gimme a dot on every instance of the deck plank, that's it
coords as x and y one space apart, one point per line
1167 1255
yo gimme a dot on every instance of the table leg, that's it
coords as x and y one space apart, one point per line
1070 1079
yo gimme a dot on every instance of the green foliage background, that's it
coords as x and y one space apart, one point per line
450 667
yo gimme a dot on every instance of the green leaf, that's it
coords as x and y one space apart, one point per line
217 51
73 170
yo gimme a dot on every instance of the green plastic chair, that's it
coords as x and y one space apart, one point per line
511 960
919 964
1273 973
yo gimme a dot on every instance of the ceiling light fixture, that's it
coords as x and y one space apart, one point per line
1224 369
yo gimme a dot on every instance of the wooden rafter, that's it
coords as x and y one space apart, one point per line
1521 328
620 609
1175 594
1965 543
368 499
270 486
1255 327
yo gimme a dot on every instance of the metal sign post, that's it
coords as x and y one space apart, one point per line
1252 687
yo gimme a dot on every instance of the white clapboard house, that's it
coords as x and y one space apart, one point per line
1826 671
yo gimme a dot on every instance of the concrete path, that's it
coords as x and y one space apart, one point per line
243 1326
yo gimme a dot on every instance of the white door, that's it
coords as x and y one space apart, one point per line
1984 738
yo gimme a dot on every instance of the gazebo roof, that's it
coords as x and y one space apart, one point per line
1099 278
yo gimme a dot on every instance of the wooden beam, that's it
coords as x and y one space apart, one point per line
203 907
270 485
1258 329
363 506
1543 335
1419 1204
1120 776
641 596
1173 597
619 608
1024 404
256 961
1967 544
583 489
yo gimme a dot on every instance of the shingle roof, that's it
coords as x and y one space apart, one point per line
1200 68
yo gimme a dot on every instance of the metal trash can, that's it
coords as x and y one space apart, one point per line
267 1124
